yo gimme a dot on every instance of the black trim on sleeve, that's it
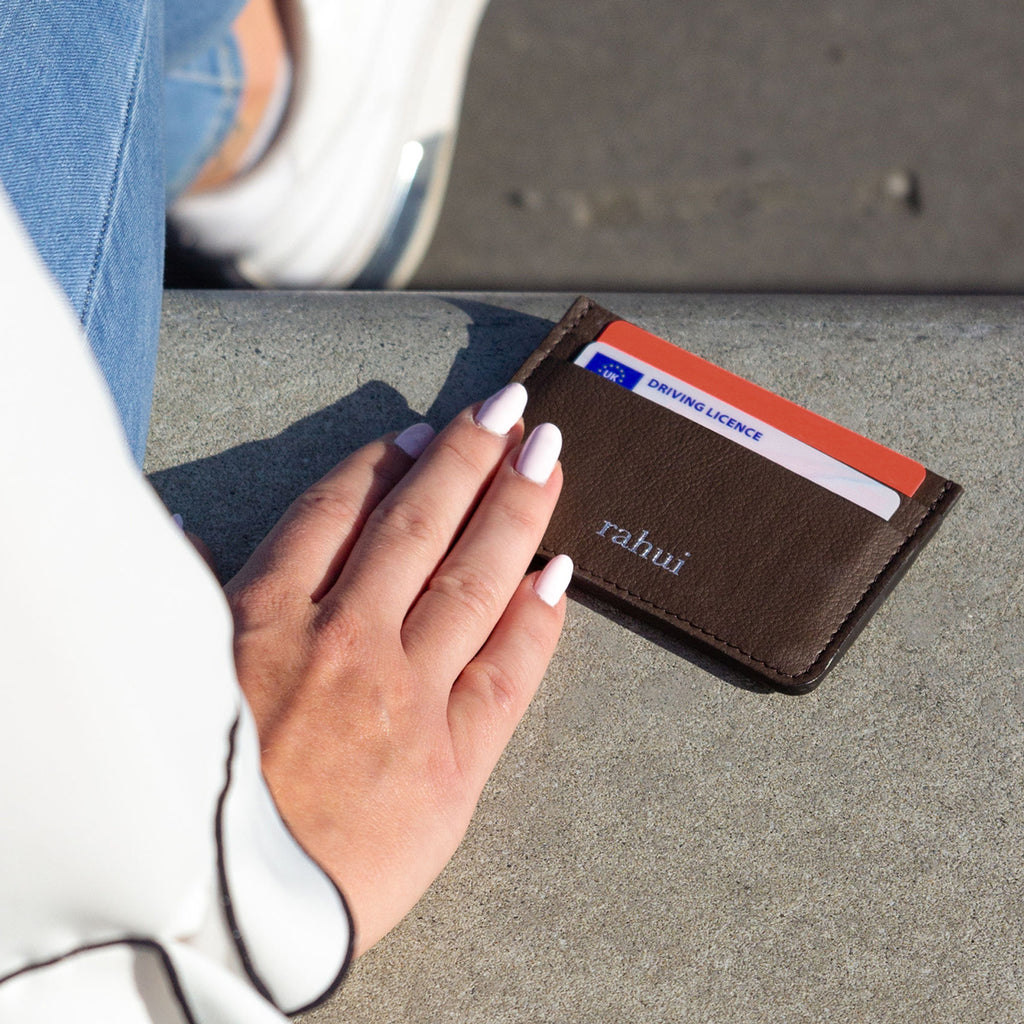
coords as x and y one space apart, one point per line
225 895
150 944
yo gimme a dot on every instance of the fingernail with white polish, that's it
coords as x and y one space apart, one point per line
501 412
414 440
539 454
553 580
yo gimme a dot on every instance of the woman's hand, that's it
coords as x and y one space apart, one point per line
388 645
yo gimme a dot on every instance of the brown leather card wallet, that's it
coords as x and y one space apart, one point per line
710 542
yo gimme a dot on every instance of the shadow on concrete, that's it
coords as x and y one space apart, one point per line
704 660
233 498
498 342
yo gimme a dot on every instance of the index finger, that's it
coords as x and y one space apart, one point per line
412 529
310 542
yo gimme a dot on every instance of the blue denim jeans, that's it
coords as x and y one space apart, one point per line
85 155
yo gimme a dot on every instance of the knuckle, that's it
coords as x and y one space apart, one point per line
408 521
466 457
539 639
338 636
260 601
495 684
326 503
474 590
521 518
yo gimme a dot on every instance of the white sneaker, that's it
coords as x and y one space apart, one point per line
349 192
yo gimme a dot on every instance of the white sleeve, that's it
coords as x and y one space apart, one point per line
145 874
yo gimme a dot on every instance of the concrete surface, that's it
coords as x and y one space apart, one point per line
739 144
659 843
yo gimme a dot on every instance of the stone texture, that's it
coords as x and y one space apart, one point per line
660 843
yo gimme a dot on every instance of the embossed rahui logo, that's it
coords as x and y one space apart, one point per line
642 547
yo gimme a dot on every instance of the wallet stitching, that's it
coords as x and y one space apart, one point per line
556 339
735 647
558 335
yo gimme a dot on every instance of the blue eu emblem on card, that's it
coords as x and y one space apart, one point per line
626 376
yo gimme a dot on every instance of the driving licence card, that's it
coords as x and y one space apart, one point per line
744 416
869 457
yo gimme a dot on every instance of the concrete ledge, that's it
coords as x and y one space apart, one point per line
659 844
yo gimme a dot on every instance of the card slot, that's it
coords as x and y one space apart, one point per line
903 522
699 532
907 518
709 542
